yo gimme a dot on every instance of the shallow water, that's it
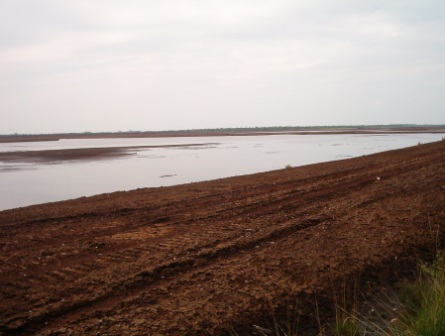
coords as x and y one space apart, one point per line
37 182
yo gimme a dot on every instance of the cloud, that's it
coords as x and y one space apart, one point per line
187 64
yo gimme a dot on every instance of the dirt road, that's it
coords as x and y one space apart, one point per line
203 257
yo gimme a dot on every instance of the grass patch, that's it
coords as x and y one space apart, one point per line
415 309
418 309
424 301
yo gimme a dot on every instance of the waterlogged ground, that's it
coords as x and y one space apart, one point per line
205 258
43 171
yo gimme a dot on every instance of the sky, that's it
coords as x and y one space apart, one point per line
116 65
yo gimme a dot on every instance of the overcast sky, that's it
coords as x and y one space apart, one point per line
116 65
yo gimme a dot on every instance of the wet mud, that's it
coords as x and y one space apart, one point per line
209 257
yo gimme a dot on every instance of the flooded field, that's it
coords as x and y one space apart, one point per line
31 173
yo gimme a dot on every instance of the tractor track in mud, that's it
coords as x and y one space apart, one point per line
205 257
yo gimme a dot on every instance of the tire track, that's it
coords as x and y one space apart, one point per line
123 254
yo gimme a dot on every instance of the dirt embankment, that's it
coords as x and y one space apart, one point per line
203 257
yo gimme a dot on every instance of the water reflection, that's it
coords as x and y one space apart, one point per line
146 163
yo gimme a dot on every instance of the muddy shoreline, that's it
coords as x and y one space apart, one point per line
75 154
202 258
56 155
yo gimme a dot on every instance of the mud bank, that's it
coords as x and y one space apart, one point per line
203 257
77 154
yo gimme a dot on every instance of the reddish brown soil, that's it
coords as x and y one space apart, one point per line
204 257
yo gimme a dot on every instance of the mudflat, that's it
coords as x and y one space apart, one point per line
208 257
76 154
